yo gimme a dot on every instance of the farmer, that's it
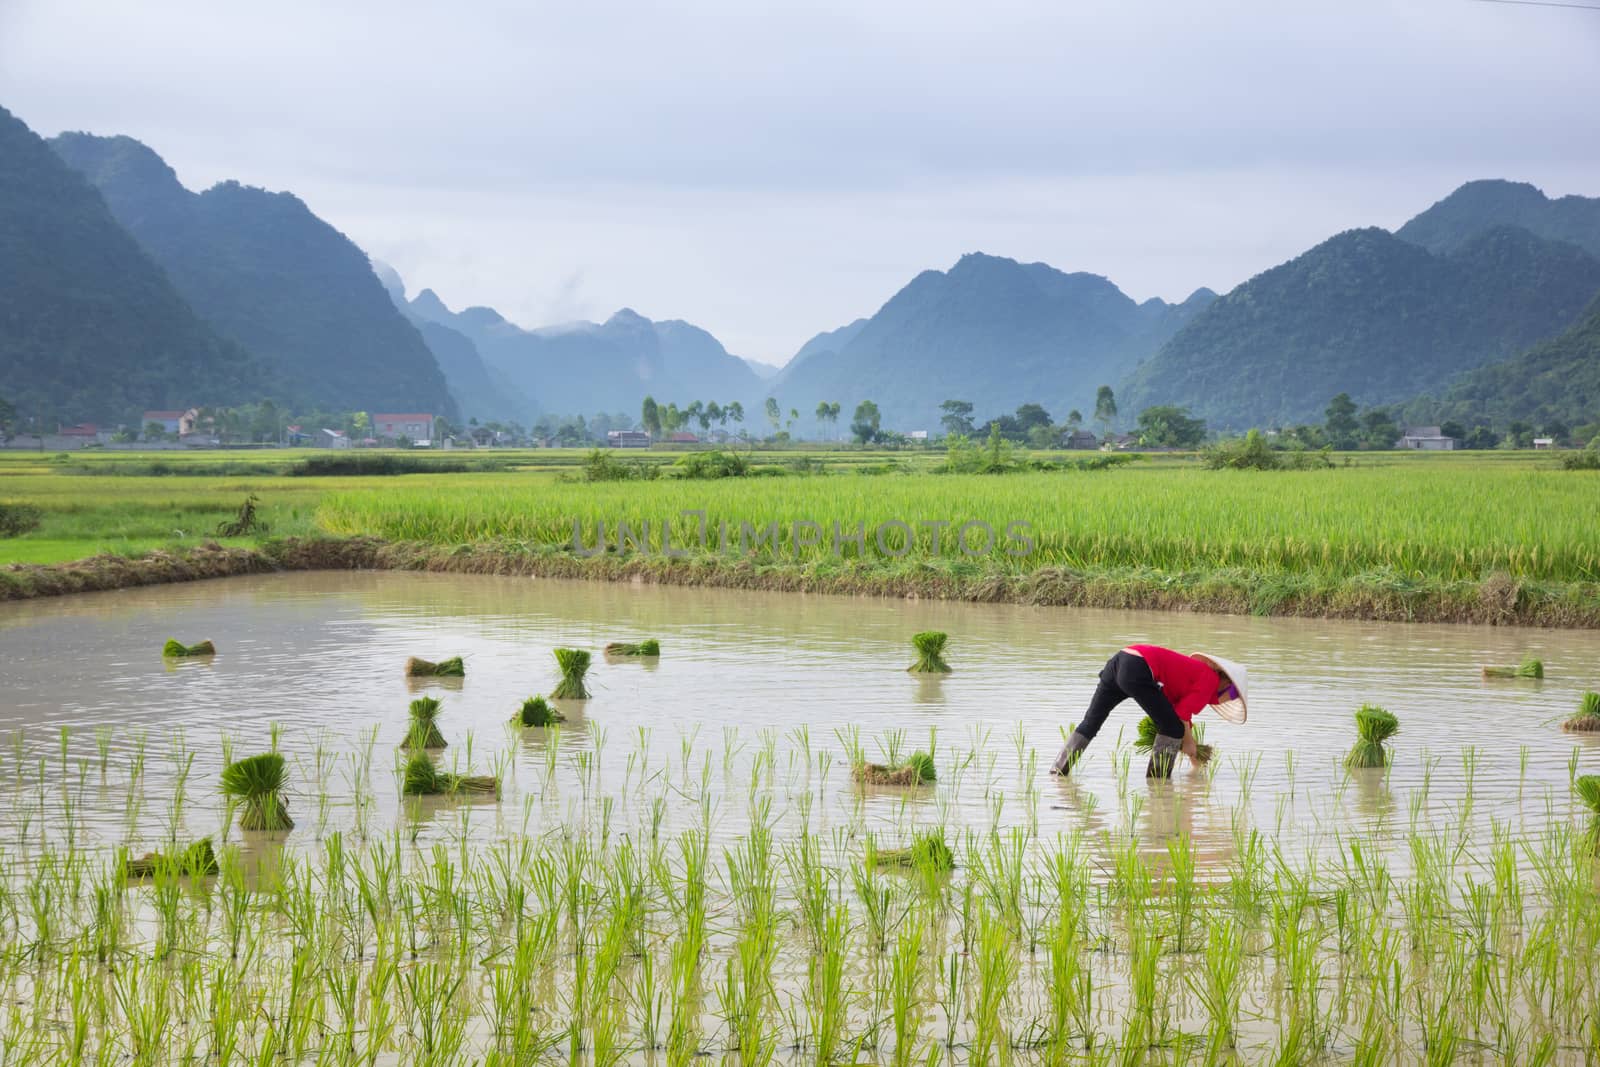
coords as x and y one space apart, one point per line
1171 688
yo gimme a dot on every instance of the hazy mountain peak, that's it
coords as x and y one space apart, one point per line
117 162
628 318
429 306
481 317
1484 204
391 281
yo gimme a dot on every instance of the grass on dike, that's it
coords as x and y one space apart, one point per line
1438 517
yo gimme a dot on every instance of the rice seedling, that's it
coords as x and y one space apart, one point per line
257 783
918 769
1374 727
1587 720
930 653
649 647
1528 668
422 778
536 711
1145 740
175 649
197 860
574 664
417 667
423 729
927 851
1587 787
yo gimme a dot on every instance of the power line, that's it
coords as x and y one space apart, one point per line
1543 3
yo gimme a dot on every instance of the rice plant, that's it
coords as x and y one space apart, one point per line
257 783
574 664
649 648
1587 720
537 711
422 778
1528 668
1374 727
423 729
175 649
930 653
1145 741
928 851
417 667
197 860
918 769
1587 787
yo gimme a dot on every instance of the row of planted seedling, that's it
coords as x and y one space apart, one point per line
603 942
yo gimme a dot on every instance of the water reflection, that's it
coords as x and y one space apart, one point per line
756 687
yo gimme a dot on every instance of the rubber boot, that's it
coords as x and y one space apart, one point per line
1071 752
1163 756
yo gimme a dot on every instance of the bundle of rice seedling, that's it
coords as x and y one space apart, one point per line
1145 741
536 711
416 667
917 770
1587 721
1588 789
177 649
195 861
1374 726
574 663
1529 668
257 781
423 779
424 729
930 648
648 647
927 851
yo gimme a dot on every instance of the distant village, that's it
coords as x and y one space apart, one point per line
197 428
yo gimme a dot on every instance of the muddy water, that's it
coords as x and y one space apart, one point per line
745 674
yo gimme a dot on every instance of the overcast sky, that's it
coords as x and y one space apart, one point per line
769 170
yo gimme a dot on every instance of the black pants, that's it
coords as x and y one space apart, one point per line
1126 675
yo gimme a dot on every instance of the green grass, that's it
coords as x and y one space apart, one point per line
1389 519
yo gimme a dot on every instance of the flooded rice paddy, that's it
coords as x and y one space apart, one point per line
682 870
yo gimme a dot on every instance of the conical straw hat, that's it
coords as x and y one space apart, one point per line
1231 710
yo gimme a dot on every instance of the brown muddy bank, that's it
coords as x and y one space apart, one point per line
1499 599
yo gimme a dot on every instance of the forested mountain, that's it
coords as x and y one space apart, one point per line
586 367
90 326
478 391
1482 205
1557 380
991 331
1369 314
265 271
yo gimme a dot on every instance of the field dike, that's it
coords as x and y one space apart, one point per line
1499 599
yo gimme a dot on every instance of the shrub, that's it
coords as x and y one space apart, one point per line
713 464
1586 460
16 519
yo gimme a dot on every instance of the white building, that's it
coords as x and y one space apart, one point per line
1425 439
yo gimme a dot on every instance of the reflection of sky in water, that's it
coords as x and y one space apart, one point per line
741 672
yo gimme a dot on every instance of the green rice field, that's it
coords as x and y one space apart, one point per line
1392 522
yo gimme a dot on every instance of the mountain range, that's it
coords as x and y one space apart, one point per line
90 325
261 269
1370 314
991 331
120 289
588 367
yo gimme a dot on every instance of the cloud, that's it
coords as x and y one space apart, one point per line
772 170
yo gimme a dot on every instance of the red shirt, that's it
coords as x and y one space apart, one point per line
1188 684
